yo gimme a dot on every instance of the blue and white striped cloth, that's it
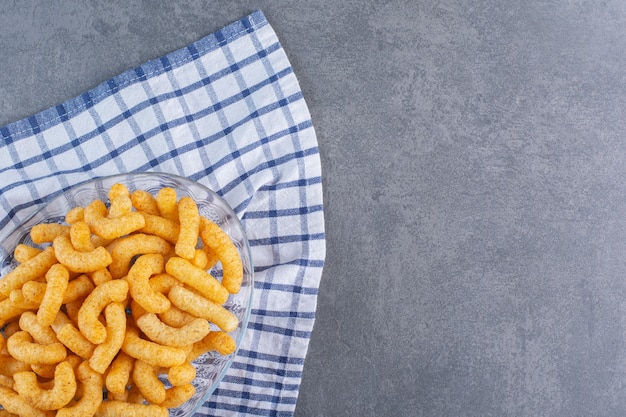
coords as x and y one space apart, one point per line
226 111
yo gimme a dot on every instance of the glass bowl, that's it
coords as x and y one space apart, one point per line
211 367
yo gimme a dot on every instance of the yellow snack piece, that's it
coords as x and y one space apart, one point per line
144 202
212 258
91 384
77 214
116 329
181 374
23 253
57 278
59 395
88 323
150 352
10 365
21 346
100 276
125 249
135 396
146 379
98 241
77 288
137 310
73 307
200 259
27 271
161 333
163 282
44 371
16 404
221 342
111 396
138 282
6 381
219 242
19 301
47 232
166 200
118 190
120 409
111 228
121 204
160 226
31 292
9 310
189 274
199 306
71 337
74 340
80 237
44 335
119 373
175 317
74 360
80 261
189 220
178 395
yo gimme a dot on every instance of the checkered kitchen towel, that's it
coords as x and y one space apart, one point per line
226 111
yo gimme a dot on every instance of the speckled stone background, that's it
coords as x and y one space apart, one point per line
474 158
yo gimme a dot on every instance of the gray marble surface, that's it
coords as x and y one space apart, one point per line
474 158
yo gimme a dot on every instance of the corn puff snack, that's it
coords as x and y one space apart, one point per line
111 300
